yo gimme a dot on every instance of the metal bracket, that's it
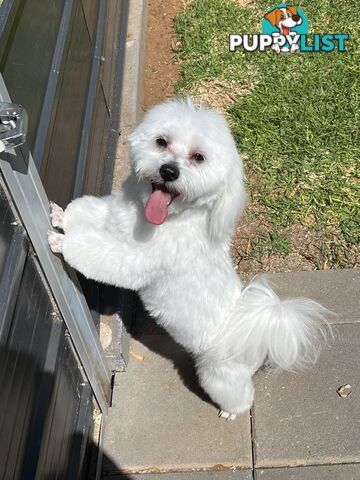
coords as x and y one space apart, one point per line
13 126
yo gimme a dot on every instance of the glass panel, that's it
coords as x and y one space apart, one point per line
26 61
91 11
61 154
95 161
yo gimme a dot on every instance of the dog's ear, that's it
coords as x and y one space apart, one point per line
271 17
292 9
229 204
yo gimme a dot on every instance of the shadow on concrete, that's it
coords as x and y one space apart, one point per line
35 419
147 332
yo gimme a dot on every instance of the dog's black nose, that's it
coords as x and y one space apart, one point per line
169 172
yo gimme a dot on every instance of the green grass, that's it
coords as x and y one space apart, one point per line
298 121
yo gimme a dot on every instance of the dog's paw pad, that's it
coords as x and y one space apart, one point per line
56 215
226 415
56 241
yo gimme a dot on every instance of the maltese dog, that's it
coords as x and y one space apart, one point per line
166 234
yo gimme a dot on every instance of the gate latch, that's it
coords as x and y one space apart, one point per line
13 126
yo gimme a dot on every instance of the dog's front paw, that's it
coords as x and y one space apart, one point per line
276 48
56 215
226 415
56 241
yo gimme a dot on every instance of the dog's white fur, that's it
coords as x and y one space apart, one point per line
182 268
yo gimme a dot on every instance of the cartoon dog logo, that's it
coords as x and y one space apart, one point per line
284 20
285 28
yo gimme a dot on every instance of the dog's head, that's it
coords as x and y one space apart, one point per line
284 18
188 158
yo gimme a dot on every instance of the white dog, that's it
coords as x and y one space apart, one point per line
166 234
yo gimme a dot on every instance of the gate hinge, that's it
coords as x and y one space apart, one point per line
13 126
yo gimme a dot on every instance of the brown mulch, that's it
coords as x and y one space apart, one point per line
161 70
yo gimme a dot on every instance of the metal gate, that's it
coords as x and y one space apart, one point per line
55 384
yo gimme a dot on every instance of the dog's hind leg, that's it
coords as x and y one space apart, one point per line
228 384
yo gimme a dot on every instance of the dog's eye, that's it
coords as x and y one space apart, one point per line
161 142
198 157
282 16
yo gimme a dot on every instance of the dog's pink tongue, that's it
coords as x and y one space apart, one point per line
285 30
156 208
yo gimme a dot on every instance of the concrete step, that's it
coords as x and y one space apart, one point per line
162 421
162 425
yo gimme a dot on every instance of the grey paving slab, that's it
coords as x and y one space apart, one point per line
338 290
225 475
323 472
299 419
162 421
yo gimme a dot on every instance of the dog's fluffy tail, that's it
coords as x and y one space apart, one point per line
286 332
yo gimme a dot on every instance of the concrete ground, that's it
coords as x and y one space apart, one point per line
162 426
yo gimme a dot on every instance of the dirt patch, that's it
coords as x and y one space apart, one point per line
161 68
254 250
219 94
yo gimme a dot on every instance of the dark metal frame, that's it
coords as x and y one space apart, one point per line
29 200
49 99
88 116
32 204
